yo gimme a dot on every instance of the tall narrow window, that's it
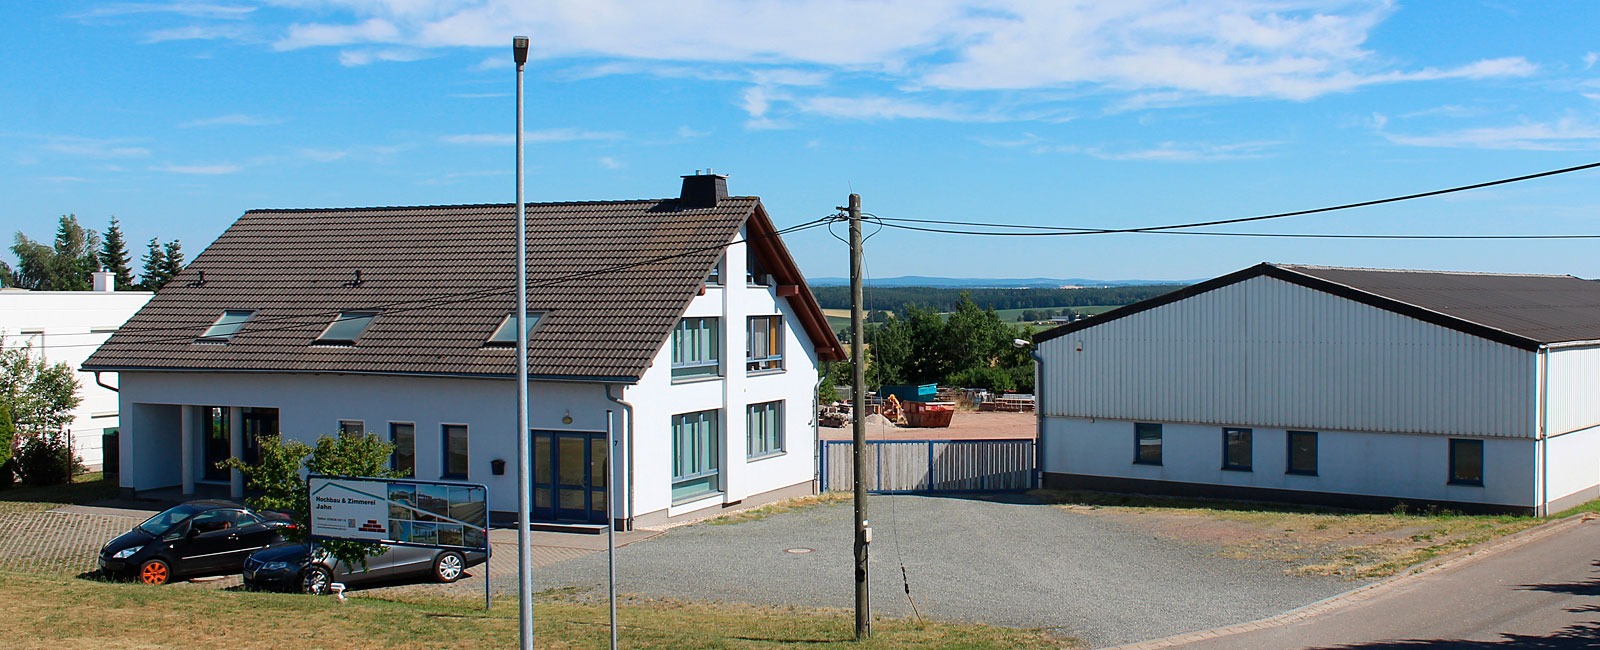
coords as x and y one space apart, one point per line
1303 452
228 324
696 348
404 438
1466 462
763 433
1236 449
1147 443
754 272
715 277
506 333
455 451
352 427
348 327
764 345
696 455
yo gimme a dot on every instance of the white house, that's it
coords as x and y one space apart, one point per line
65 327
682 325
1340 386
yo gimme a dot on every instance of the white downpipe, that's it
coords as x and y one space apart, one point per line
627 410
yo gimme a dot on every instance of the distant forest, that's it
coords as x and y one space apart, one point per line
894 299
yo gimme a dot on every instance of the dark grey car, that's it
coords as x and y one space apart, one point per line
293 567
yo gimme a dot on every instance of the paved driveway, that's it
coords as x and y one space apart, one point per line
1008 563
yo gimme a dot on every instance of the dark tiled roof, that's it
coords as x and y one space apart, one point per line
442 278
1525 311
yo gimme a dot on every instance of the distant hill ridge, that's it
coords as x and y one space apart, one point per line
989 283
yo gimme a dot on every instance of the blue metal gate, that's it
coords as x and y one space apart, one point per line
922 466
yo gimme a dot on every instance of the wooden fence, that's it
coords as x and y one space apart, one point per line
895 466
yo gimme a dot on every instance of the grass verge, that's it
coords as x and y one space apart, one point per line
1306 540
787 505
50 612
83 489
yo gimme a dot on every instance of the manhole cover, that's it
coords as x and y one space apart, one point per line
798 551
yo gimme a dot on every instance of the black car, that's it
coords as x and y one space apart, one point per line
294 567
198 538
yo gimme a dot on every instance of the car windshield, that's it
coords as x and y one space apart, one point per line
160 524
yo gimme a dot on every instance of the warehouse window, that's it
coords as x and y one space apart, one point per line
1147 444
1236 451
1466 462
1302 453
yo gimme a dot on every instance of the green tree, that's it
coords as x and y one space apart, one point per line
282 487
8 278
8 441
38 395
154 274
114 256
67 266
171 260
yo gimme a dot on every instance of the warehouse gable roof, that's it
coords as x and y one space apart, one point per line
1520 310
609 280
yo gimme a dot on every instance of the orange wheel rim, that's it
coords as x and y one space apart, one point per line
154 574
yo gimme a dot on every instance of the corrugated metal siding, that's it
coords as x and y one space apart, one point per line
1574 389
1269 353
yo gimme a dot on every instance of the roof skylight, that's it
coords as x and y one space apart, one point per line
228 324
347 327
506 333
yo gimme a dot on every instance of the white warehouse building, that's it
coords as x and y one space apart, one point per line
1338 386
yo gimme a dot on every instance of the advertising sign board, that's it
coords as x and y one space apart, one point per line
400 512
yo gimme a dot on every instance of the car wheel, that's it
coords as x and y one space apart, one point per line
155 572
316 581
448 566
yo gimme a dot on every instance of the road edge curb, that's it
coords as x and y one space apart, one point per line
1363 592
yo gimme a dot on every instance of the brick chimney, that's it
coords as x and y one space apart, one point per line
703 190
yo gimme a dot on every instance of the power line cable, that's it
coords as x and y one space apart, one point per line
1264 217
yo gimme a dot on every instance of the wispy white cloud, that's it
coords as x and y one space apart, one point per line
1183 152
352 58
198 33
1590 59
888 108
610 163
94 147
1567 134
687 133
235 119
376 30
323 155
534 137
203 170
63 179
190 9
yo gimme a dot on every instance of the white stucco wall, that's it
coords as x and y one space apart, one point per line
311 405
66 327
1405 466
657 398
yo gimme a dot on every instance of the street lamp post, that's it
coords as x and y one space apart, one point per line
519 49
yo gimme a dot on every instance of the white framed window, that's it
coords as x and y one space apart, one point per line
764 344
697 348
506 333
763 432
696 455
228 324
345 329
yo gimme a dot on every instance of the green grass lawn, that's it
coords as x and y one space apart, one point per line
48 606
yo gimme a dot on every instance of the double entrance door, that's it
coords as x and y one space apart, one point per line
569 476
216 439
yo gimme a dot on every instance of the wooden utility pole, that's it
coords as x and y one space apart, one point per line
858 402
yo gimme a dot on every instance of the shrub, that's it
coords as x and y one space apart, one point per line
47 460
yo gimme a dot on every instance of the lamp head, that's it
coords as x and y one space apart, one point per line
1020 343
519 49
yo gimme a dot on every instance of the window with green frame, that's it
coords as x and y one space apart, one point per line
696 348
696 455
763 433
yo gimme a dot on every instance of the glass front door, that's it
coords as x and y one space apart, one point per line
569 476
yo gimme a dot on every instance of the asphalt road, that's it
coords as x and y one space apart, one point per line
1544 594
1015 564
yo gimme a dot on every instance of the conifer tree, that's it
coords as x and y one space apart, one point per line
150 279
114 256
172 260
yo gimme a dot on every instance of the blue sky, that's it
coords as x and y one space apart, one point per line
178 116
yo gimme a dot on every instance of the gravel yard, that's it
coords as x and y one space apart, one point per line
966 425
1011 562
